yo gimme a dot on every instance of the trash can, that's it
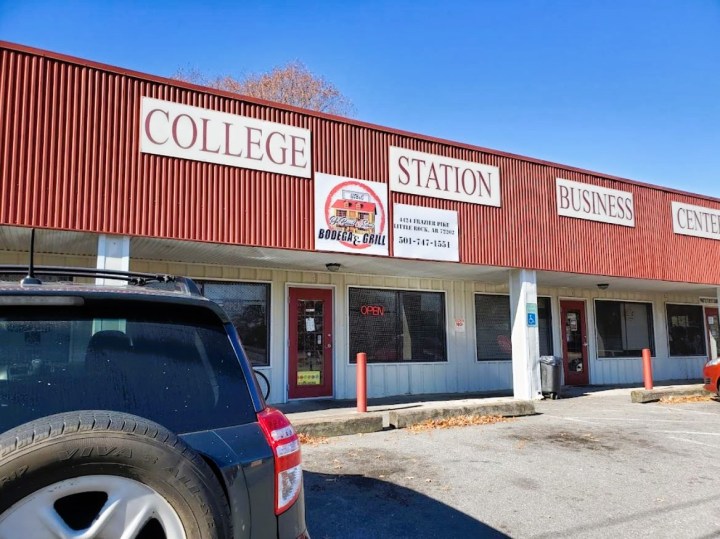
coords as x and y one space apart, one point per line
550 375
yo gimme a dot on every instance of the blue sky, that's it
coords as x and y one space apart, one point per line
624 87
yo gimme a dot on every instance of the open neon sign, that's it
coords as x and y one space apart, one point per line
372 310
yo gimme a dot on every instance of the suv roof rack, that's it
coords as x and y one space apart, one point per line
131 277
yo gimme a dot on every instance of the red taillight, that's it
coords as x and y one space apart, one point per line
285 444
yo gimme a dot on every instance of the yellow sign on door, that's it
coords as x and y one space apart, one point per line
308 378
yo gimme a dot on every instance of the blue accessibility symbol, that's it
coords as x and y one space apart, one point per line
532 320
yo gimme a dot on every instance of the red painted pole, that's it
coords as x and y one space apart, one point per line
362 382
647 368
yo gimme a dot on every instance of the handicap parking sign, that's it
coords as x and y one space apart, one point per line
531 309
532 320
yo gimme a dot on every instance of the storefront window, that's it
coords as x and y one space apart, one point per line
545 327
397 326
493 327
624 328
686 329
248 306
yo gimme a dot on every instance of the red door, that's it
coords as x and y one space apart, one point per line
575 348
713 331
311 353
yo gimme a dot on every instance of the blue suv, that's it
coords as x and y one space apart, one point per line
130 411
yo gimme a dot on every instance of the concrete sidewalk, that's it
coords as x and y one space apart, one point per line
653 395
339 417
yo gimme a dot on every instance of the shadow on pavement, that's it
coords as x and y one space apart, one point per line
354 506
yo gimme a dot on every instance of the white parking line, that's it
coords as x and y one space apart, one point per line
687 432
575 419
694 442
698 412
628 419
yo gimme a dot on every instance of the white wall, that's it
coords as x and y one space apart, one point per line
17 258
629 370
461 373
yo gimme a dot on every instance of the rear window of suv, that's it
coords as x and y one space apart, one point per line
173 364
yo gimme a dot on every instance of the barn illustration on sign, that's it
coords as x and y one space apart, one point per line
354 212
354 217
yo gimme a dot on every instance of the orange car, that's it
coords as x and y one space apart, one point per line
711 374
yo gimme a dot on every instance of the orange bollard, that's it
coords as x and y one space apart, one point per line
361 382
647 368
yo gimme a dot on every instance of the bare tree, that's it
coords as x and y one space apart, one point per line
292 84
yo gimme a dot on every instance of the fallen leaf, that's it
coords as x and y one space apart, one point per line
307 439
685 400
458 421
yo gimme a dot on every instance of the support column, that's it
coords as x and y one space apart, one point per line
525 340
113 254
718 295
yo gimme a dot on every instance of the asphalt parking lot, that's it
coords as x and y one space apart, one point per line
588 466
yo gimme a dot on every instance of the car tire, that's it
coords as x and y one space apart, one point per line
109 458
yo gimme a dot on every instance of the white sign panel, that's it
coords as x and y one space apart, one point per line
593 203
699 221
186 132
435 176
350 215
426 233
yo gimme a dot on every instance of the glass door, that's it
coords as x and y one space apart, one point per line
713 331
575 348
311 353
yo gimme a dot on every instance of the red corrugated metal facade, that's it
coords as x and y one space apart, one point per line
70 159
